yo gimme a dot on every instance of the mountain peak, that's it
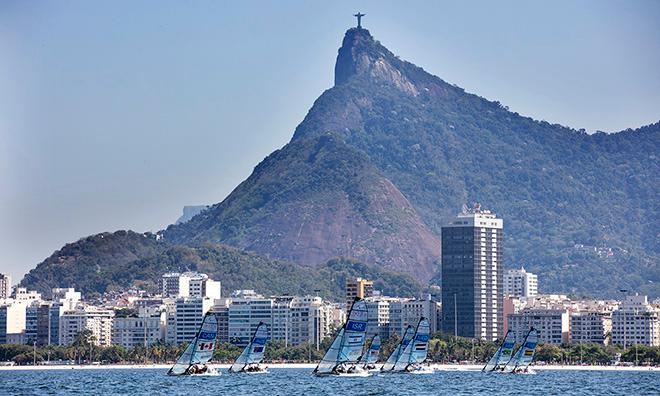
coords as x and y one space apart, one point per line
362 56
356 41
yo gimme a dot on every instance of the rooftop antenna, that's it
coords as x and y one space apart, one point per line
465 209
359 19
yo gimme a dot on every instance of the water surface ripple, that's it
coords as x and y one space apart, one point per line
301 382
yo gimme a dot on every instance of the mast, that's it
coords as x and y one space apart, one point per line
497 354
348 344
396 353
515 358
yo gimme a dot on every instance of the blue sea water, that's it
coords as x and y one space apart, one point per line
301 382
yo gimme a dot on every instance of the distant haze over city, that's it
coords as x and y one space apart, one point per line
115 117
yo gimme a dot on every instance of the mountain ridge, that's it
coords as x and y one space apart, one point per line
420 148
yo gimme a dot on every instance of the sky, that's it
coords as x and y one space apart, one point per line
114 115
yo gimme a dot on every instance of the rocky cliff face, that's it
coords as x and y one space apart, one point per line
554 186
389 154
316 199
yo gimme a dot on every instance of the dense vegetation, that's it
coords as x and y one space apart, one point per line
313 200
383 160
442 349
92 274
554 186
90 264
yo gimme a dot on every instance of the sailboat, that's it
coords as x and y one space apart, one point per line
394 356
343 354
199 351
502 355
248 361
370 356
524 356
415 353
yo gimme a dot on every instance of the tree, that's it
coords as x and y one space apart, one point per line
83 344
113 354
26 358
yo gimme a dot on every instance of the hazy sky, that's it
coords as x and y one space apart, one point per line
115 114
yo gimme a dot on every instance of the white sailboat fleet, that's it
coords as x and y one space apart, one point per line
345 357
504 361
411 351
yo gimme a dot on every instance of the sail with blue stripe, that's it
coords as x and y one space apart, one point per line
416 351
503 353
370 356
347 346
201 347
253 353
394 356
525 354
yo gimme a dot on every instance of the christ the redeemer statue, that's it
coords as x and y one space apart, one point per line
359 18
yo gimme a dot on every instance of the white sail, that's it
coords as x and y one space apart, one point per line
394 356
416 350
421 341
347 346
254 351
370 356
503 353
201 347
330 359
525 353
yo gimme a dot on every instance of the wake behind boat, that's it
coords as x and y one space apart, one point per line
249 360
520 362
342 356
200 350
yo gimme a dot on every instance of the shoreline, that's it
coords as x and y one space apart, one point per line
311 366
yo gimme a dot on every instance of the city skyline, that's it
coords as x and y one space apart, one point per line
93 142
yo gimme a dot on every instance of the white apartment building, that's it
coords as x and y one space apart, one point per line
24 295
5 286
175 285
189 284
391 315
309 321
64 300
184 316
147 328
97 320
552 324
636 322
520 283
590 327
414 309
294 320
378 316
245 313
12 322
201 286
337 314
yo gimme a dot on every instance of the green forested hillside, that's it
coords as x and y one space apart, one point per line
554 186
90 264
380 163
313 200
103 263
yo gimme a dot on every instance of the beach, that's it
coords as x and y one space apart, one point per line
311 366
